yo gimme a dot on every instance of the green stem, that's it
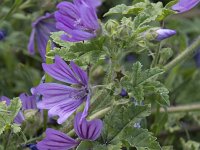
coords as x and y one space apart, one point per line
184 55
7 140
155 60
179 109
48 79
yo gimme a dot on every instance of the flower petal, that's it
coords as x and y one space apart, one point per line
88 130
60 71
31 44
56 140
65 109
78 35
19 118
185 5
82 75
54 93
28 102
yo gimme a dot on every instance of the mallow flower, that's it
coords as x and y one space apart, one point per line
41 29
20 117
78 20
164 34
184 5
86 130
61 99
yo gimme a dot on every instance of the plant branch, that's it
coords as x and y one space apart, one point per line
177 109
184 55
48 79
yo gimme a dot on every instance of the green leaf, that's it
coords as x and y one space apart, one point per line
85 145
160 92
56 36
122 116
16 128
115 146
8 114
119 9
138 78
139 138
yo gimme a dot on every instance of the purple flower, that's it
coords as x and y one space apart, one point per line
78 20
164 33
20 117
123 93
28 102
86 130
184 5
2 34
56 140
42 28
60 99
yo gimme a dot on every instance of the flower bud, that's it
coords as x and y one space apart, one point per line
184 5
111 26
157 34
123 93
164 34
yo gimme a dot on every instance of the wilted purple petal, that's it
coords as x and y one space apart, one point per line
40 34
60 71
164 33
4 98
19 118
88 130
56 140
28 102
184 5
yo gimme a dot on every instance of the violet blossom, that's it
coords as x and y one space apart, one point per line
41 29
2 34
184 5
61 99
164 33
86 130
28 102
19 117
78 19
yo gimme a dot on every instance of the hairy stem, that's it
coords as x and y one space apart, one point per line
155 60
48 79
178 109
184 55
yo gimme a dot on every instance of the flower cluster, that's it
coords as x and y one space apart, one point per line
78 20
